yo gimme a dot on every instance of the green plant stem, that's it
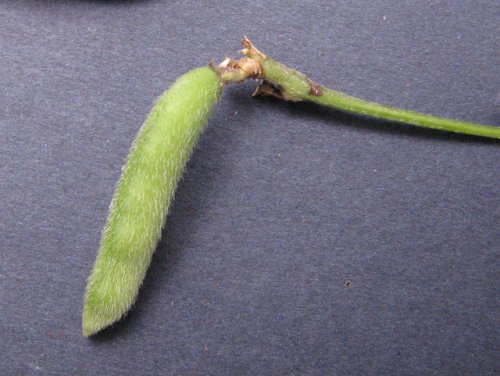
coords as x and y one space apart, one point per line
289 84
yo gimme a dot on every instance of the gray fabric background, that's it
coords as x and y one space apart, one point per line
280 205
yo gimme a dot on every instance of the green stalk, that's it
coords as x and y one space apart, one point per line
289 84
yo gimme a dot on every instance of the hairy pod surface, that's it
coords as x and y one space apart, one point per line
143 195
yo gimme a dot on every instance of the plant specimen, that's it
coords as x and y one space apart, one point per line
162 148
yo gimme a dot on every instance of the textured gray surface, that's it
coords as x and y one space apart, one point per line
281 204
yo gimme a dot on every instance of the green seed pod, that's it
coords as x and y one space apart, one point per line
143 195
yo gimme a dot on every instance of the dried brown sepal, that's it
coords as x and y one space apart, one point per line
268 89
232 70
315 89
248 67
250 50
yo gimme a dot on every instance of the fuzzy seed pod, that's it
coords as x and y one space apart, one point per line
143 195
